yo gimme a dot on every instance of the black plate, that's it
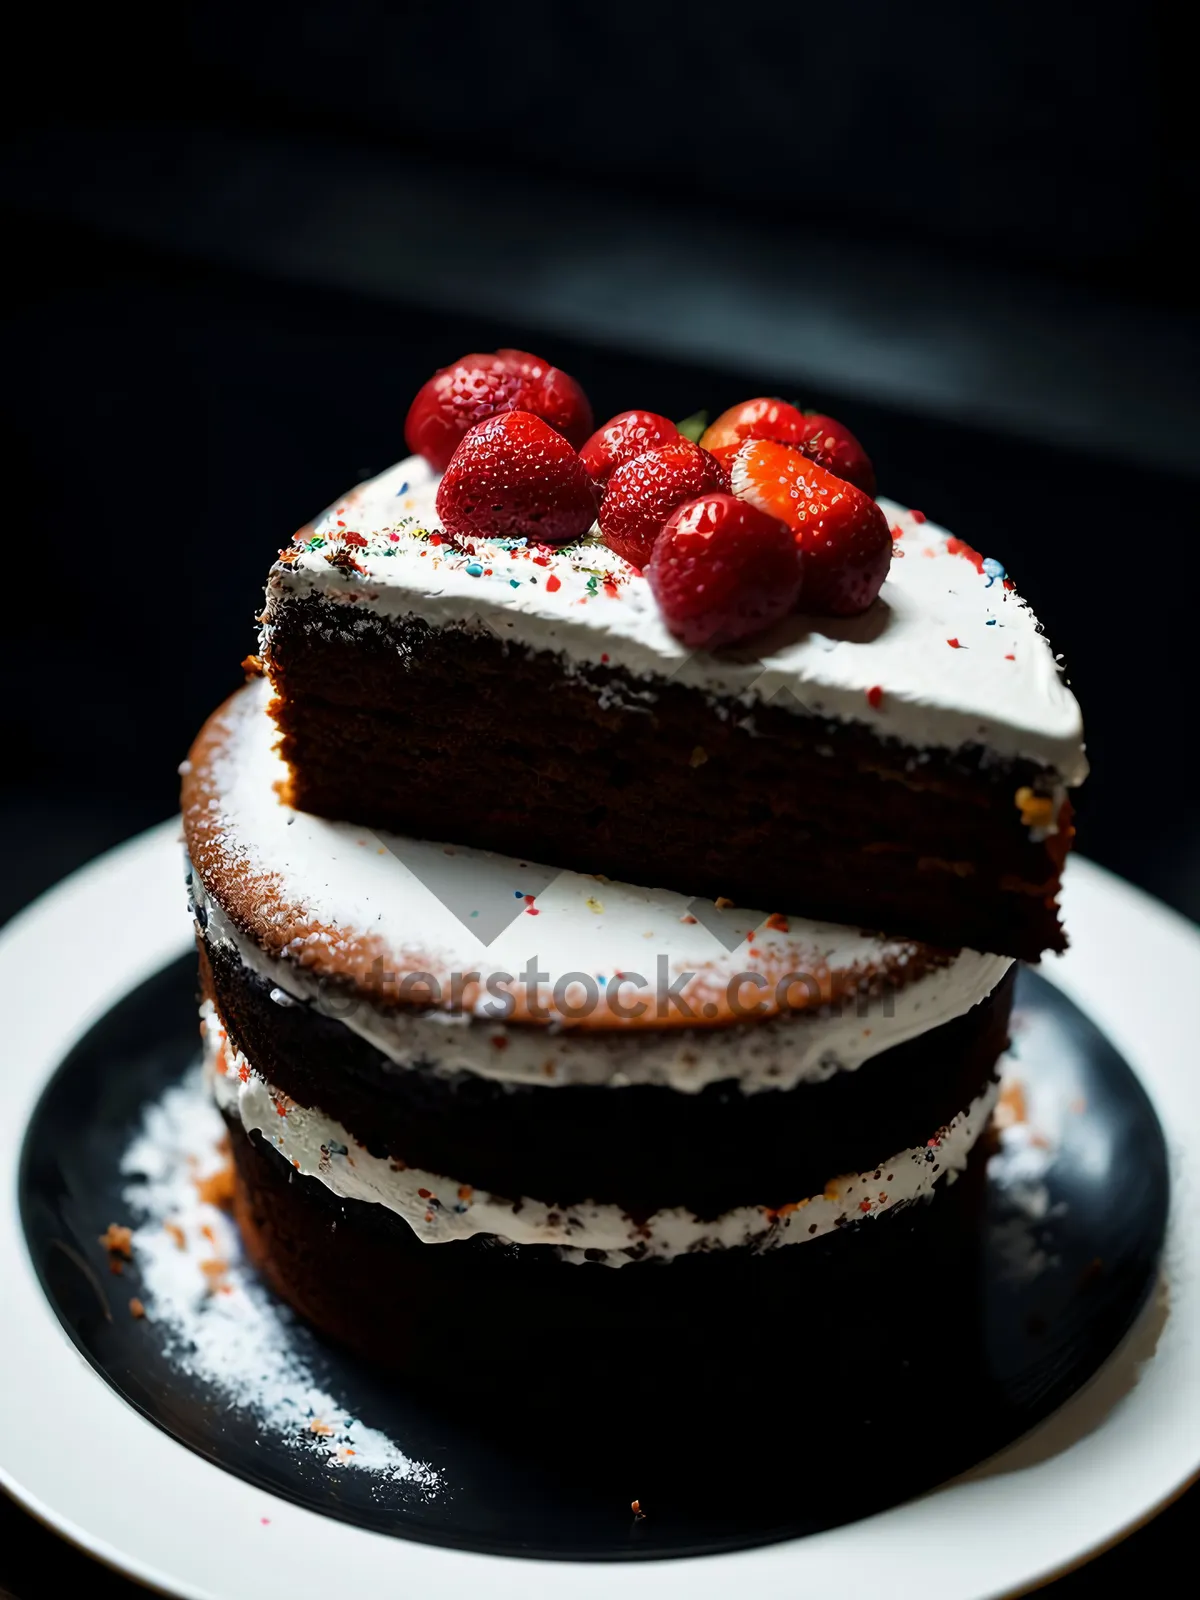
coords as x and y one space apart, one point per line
826 1454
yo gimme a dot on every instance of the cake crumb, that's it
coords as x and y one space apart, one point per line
723 904
636 1507
215 1270
136 1309
1012 1108
217 1188
175 1233
118 1240
698 756
252 666
321 1429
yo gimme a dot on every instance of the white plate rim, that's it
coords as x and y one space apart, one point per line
86 1463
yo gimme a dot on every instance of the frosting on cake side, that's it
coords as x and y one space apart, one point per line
439 1209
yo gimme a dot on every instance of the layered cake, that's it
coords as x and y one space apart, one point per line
500 1037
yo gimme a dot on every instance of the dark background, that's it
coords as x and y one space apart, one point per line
238 239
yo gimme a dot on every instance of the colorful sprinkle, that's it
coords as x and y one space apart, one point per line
474 570
954 644
960 547
875 697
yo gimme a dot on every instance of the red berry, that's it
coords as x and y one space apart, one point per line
830 444
643 492
479 386
845 538
622 437
722 570
553 395
763 418
514 477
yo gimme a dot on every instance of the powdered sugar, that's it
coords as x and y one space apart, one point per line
219 1323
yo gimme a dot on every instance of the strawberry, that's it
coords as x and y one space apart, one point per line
622 437
830 444
753 419
722 570
643 492
845 538
514 477
552 395
479 386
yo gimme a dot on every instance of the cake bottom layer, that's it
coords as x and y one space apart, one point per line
490 1313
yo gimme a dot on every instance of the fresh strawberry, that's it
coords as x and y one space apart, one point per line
844 536
830 444
513 477
479 386
628 434
553 395
454 400
722 571
753 419
643 492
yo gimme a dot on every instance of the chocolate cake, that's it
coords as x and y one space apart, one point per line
906 769
458 1049
499 1040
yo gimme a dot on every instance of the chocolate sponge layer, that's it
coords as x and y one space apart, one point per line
460 736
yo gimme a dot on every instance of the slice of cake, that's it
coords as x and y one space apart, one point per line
906 768
461 1087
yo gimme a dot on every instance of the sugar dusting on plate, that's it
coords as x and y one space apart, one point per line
218 1322
1029 1123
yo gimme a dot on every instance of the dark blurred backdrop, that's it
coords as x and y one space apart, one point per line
239 237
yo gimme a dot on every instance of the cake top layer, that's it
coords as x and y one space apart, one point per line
408 925
949 656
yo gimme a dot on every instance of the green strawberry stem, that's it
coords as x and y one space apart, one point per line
692 427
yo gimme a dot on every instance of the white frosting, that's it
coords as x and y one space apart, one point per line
997 685
778 1053
351 880
438 1209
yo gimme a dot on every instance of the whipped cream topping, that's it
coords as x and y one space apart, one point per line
439 1209
297 896
948 656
